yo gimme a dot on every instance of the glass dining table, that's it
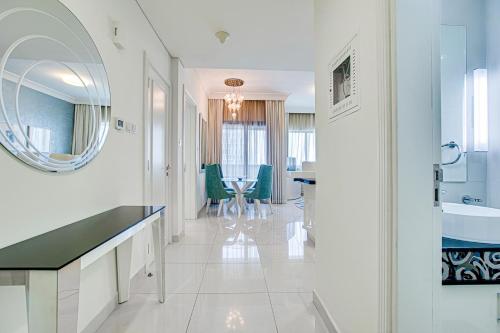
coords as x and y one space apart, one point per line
240 185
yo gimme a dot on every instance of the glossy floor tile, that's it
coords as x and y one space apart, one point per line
237 278
295 313
228 274
180 279
187 253
234 254
143 313
232 313
289 277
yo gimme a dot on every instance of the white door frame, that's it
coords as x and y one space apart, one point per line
189 173
150 70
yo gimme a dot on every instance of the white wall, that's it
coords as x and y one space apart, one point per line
347 212
194 86
33 202
189 80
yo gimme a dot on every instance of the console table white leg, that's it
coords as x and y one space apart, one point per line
159 251
68 297
123 264
52 299
42 301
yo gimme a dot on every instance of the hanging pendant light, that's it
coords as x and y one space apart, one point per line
234 99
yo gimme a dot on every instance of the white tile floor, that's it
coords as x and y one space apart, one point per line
252 274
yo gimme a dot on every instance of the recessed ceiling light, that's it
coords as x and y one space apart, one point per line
222 36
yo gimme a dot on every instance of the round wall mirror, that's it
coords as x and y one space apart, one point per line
55 101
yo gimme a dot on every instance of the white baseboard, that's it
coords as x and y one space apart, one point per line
98 320
330 324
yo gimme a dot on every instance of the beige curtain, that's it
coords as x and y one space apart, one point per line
251 112
276 147
301 121
82 130
215 120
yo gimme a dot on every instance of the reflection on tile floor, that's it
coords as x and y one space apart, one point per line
252 274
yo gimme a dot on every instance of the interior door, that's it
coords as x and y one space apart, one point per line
159 168
157 151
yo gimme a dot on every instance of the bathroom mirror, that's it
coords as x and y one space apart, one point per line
454 103
55 101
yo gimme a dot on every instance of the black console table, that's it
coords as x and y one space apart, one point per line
49 265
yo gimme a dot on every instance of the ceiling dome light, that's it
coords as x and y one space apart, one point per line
74 80
222 36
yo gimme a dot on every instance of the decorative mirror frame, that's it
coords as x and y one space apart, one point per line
101 113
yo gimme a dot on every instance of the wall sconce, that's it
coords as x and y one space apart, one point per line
481 109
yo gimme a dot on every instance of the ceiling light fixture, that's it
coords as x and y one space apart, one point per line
222 36
74 80
234 99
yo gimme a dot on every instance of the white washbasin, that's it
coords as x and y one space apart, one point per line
471 223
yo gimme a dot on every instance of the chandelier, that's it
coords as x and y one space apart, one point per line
234 99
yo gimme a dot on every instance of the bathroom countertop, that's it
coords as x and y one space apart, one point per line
58 248
450 244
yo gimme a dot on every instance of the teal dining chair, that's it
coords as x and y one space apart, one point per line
219 170
215 188
263 188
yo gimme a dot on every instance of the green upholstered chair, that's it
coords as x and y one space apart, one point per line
263 188
219 169
215 187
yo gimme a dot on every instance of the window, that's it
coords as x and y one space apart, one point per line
301 140
301 147
243 149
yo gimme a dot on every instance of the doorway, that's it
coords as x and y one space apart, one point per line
189 157
156 139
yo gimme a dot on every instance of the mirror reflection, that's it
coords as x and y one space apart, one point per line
55 98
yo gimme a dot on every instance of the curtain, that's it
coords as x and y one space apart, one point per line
214 142
301 140
243 149
233 150
276 145
82 129
301 121
251 112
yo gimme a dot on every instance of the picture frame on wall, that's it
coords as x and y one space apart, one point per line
203 135
344 84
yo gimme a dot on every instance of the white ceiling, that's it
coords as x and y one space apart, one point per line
47 78
265 34
296 86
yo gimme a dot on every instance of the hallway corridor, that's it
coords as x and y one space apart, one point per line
230 275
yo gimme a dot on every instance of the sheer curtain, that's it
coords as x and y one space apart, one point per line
243 149
244 139
233 150
256 146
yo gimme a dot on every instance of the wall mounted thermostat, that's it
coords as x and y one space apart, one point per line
344 85
119 124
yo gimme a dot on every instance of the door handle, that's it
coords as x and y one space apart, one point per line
167 169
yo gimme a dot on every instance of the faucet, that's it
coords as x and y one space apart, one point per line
468 200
